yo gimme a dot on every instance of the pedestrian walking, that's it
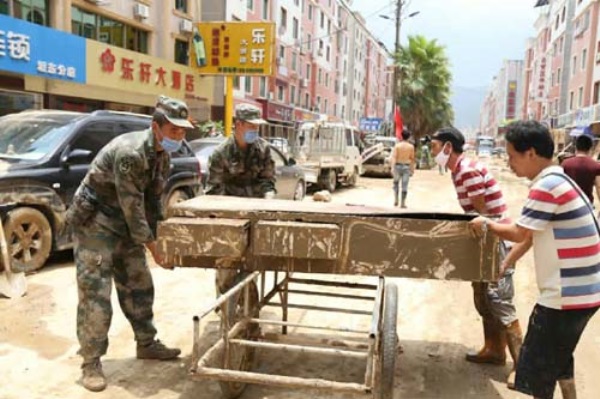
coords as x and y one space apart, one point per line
582 168
114 216
480 193
559 220
403 166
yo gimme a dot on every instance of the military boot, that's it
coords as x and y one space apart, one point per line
156 350
494 348
92 377
514 339
403 202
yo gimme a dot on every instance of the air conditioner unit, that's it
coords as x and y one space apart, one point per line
186 26
141 11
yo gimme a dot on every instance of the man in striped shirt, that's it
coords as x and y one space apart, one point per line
559 220
478 192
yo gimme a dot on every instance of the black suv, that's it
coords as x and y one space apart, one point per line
44 155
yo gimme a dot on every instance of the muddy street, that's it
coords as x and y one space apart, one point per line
437 324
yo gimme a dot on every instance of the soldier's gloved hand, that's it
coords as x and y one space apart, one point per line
270 195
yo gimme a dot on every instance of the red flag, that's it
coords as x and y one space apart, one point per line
399 123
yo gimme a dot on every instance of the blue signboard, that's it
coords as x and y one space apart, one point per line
370 124
36 50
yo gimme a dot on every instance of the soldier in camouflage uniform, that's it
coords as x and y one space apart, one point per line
241 166
114 216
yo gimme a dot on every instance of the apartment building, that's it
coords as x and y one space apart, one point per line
87 54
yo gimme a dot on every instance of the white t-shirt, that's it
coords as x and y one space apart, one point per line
566 243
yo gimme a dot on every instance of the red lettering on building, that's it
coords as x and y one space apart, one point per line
161 76
127 68
176 77
189 83
107 59
145 72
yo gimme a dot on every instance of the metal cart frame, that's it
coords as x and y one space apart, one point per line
240 336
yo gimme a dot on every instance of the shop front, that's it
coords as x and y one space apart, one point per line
30 51
302 115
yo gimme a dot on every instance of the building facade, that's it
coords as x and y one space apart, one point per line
86 55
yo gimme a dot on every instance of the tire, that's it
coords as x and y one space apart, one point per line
328 180
353 180
176 197
299 191
384 382
241 358
29 238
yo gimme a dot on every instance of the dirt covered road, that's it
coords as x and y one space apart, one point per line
437 324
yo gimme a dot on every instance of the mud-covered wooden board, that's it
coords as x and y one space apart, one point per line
325 238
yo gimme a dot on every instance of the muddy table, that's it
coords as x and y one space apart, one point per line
273 242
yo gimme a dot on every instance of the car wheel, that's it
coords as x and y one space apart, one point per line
29 238
300 191
328 180
176 197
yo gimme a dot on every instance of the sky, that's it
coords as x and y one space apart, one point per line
478 34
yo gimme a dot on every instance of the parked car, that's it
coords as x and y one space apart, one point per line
44 156
291 182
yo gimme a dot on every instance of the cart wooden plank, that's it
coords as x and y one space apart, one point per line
325 238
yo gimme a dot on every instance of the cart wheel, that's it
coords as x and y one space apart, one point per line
241 358
384 381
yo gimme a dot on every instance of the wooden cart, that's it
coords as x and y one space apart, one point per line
275 241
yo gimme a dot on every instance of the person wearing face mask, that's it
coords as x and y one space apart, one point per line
113 217
478 192
241 166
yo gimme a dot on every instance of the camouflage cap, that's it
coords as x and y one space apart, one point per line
249 113
175 110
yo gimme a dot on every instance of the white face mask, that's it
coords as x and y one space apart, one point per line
442 158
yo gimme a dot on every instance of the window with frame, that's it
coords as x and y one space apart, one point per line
295 28
307 71
35 11
306 100
107 30
280 93
574 66
236 83
309 42
580 98
310 12
596 92
248 84
265 10
322 20
283 21
319 76
571 101
250 5
182 48
262 87
294 61
583 59
181 5
558 76
292 95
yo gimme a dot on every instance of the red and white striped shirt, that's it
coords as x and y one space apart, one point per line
472 179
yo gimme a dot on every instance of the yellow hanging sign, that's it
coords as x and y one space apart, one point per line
233 48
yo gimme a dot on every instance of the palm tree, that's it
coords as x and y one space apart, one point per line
425 81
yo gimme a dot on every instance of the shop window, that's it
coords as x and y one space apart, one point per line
596 92
248 84
36 11
181 5
107 30
181 52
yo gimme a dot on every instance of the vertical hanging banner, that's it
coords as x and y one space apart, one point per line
233 48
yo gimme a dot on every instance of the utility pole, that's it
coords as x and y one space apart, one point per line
396 89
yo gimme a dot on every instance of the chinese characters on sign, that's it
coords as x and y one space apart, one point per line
542 78
511 100
371 124
36 50
234 48
145 72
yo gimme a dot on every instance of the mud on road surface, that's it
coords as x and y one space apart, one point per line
437 324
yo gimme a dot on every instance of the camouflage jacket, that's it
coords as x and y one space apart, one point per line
241 173
127 179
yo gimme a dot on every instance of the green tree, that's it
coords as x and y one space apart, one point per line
425 86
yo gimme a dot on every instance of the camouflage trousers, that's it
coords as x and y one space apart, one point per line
101 257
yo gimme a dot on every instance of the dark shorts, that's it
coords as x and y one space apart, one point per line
547 352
